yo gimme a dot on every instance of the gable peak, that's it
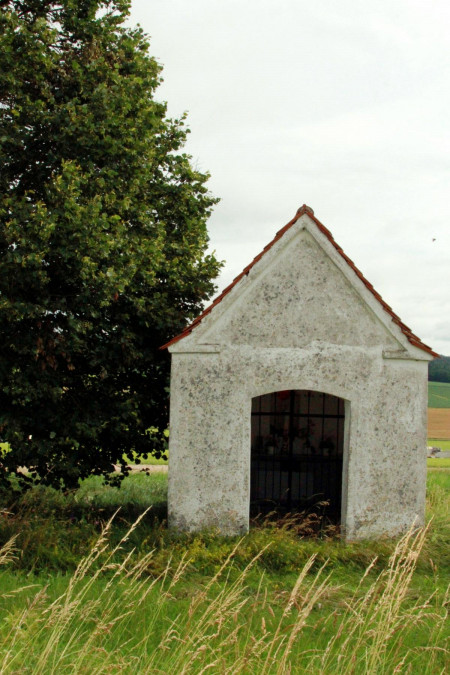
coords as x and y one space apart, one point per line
305 209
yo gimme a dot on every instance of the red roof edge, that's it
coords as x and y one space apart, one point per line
413 339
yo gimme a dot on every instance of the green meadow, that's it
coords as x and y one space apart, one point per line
91 582
439 394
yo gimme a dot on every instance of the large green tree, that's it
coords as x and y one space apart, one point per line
103 239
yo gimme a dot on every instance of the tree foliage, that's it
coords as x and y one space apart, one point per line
103 239
439 369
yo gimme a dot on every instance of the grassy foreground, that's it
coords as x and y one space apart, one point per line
81 593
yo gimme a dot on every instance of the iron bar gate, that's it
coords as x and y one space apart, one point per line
297 441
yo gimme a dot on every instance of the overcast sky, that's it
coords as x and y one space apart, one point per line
344 106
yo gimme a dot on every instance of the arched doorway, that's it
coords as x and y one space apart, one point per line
297 441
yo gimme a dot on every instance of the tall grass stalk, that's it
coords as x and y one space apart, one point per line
372 630
113 618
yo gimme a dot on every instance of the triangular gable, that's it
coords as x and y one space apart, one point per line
305 210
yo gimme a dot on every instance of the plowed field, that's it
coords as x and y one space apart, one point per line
439 423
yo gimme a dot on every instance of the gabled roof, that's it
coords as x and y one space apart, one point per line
413 339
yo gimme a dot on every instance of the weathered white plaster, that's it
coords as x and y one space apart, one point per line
301 319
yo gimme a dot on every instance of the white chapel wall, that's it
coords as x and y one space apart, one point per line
298 324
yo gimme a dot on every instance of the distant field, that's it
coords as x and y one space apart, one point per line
439 394
438 463
439 423
443 444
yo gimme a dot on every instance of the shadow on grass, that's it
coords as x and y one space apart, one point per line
55 530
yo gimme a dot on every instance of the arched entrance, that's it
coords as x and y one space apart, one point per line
297 441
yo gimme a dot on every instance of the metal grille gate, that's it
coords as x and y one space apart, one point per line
297 440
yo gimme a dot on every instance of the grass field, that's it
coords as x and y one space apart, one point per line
443 444
145 459
139 599
439 394
438 463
